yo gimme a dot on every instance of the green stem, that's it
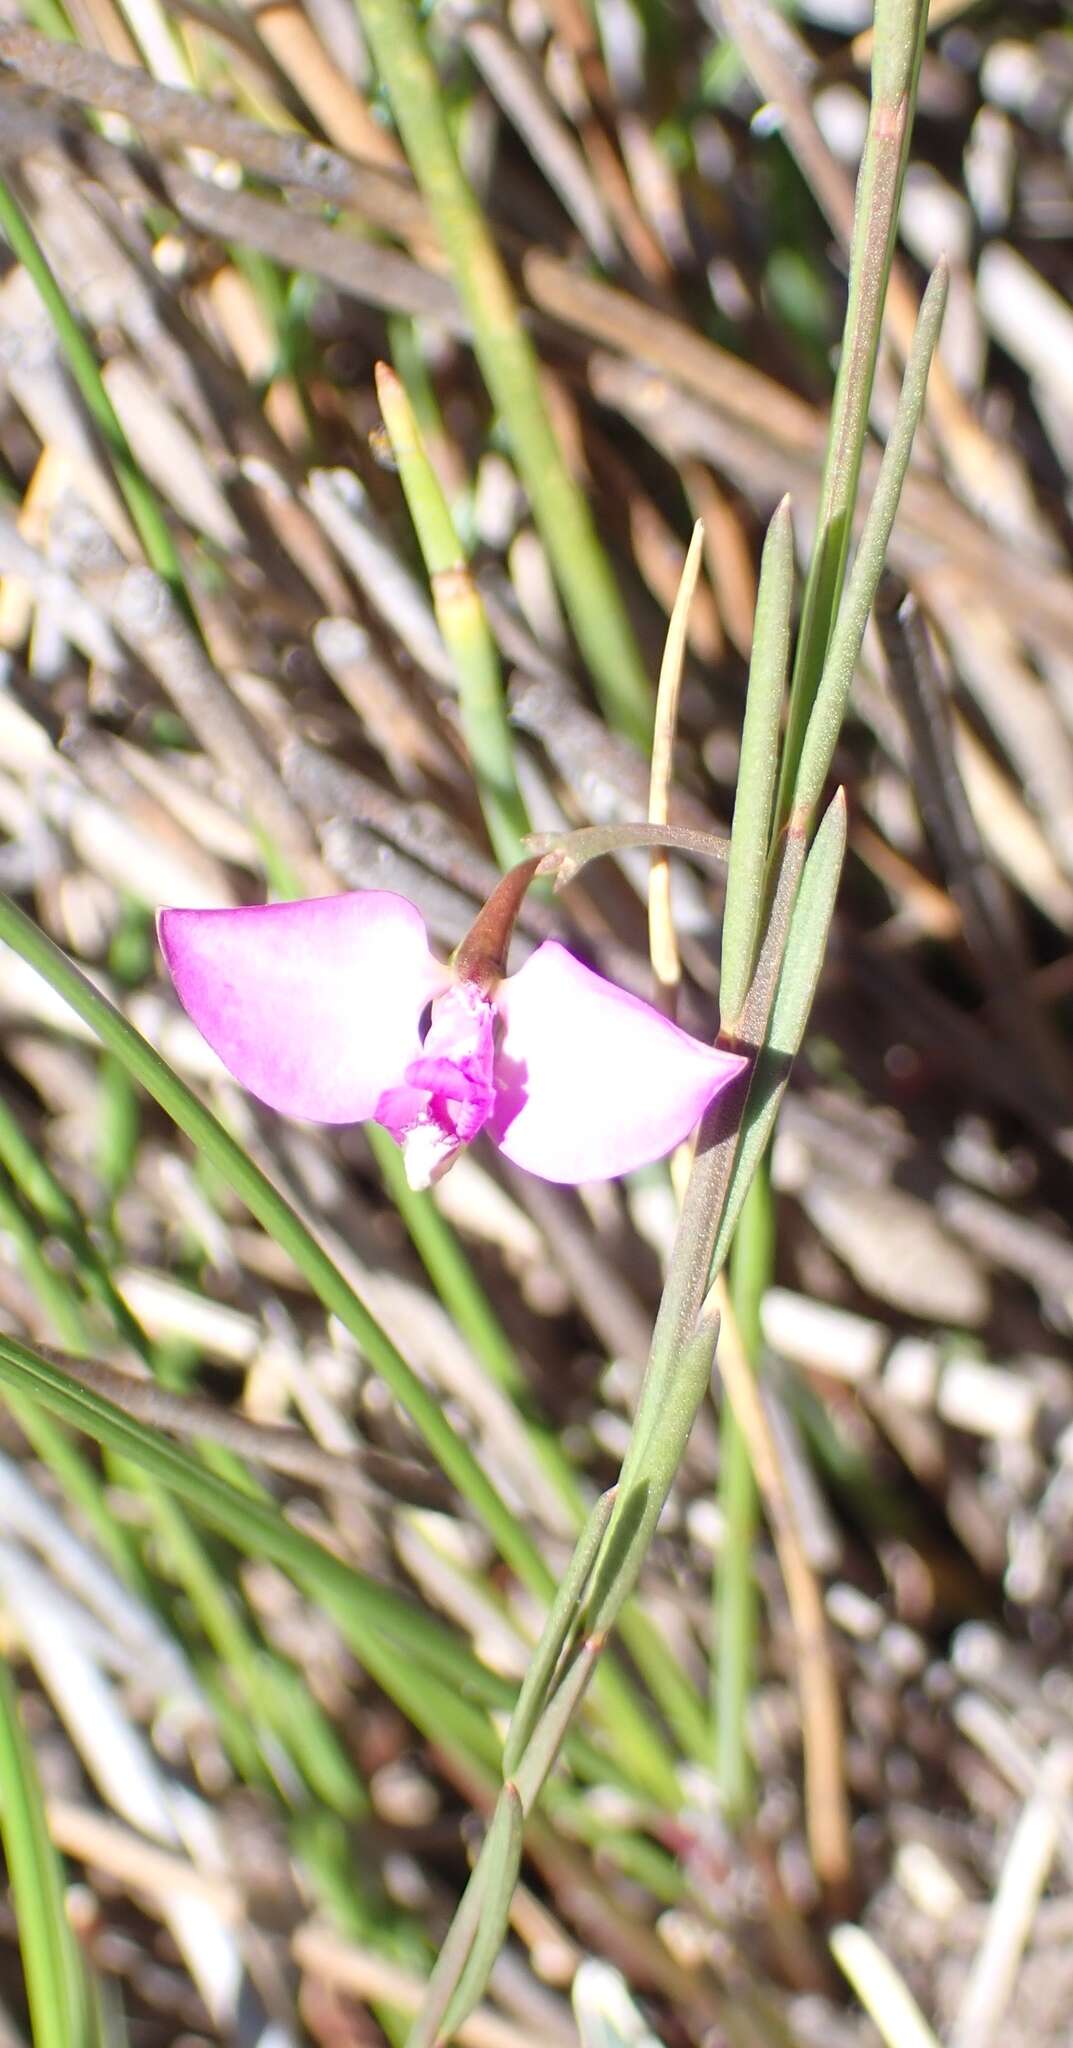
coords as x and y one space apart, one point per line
736 1605
564 854
56 1990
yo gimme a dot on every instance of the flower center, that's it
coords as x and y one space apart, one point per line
447 1093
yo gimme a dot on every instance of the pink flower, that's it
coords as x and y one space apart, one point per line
317 1008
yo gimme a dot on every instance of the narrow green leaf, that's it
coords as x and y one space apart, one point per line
41 1188
751 831
428 2028
802 961
825 723
261 1677
51 1961
809 926
362 1608
435 529
54 1290
501 1856
278 1707
898 47
253 1671
553 1726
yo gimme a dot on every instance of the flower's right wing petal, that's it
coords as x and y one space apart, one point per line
590 1081
313 1006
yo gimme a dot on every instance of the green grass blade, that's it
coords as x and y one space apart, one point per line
414 1657
79 1482
277 1712
259 1677
631 1732
751 832
51 1961
462 622
364 1610
290 1233
509 366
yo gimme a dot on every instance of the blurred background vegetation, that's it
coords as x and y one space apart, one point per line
259 1644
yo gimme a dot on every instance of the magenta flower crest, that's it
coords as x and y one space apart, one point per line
318 1008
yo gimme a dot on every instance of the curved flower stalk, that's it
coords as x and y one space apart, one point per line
318 1009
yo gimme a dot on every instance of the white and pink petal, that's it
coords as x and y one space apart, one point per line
315 1007
590 1081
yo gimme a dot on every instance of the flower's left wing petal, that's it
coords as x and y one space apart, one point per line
313 1006
590 1081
